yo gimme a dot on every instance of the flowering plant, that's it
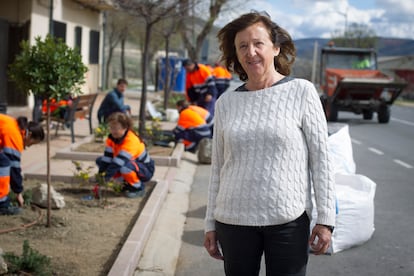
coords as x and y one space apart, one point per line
101 132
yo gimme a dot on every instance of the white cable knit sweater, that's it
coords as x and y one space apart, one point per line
267 146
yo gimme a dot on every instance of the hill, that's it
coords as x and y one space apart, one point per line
385 46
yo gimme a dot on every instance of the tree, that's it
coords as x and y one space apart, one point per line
193 43
119 23
50 70
151 12
356 35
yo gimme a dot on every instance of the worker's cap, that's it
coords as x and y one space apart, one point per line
187 62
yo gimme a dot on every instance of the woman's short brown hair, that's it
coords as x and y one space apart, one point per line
279 36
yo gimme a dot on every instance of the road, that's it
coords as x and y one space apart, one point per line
382 152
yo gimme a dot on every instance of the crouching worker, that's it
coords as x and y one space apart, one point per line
204 113
15 136
125 158
191 127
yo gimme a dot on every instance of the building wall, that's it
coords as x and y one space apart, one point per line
16 11
69 12
402 67
73 15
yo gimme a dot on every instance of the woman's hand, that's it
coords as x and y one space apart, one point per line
211 244
208 98
320 239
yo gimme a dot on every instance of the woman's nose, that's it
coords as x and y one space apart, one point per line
251 51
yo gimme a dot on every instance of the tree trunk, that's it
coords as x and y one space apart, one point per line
123 74
143 103
108 65
167 72
48 177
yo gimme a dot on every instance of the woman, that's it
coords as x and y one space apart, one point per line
15 136
269 145
125 158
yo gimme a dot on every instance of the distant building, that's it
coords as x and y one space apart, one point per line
78 22
401 66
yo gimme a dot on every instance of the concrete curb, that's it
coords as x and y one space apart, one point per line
161 253
130 254
69 153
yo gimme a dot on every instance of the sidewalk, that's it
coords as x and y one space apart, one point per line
160 224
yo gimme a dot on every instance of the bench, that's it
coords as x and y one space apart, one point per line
81 108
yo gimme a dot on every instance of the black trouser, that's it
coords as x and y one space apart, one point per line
285 248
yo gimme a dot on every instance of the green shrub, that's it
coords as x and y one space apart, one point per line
31 261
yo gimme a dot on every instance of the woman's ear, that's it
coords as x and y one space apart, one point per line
276 51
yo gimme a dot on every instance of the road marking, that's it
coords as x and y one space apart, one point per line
403 121
356 141
408 166
376 151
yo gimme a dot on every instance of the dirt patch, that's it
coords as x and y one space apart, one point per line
84 238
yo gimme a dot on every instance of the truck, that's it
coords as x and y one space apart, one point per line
350 81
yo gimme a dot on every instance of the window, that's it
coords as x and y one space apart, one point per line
59 30
94 47
78 38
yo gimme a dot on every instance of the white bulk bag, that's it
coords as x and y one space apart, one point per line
340 148
355 218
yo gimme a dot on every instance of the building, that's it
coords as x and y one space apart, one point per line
78 22
401 66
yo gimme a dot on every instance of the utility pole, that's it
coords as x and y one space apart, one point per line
345 15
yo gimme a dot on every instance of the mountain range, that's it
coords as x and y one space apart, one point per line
385 47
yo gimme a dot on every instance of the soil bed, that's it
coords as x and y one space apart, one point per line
84 237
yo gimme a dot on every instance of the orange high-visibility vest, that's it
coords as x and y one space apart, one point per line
220 72
200 81
53 105
118 155
11 147
200 110
190 118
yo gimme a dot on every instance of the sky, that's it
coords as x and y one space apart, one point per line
321 18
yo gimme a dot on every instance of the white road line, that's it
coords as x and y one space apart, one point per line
374 150
356 141
408 166
402 121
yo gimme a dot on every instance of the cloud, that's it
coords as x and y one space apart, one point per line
322 18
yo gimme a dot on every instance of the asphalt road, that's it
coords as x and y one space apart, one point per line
382 152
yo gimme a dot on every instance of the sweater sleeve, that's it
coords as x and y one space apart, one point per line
217 161
315 130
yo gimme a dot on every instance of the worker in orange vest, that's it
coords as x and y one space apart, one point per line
200 85
191 127
222 78
204 113
125 158
59 109
15 136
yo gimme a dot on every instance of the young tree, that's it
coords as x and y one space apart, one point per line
193 43
118 25
49 70
151 12
356 35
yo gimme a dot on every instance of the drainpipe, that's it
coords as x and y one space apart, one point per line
103 75
51 17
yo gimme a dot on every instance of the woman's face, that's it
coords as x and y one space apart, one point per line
116 129
255 51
